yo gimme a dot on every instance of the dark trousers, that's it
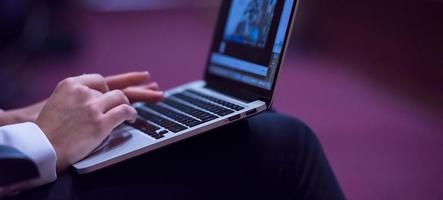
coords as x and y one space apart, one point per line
269 156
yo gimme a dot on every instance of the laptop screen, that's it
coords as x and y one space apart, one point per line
249 48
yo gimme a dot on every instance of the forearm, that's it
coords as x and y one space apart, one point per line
11 117
21 115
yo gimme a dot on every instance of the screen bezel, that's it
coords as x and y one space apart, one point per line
235 88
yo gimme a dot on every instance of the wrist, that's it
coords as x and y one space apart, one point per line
17 116
10 117
61 163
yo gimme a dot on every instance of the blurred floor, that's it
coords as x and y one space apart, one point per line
381 145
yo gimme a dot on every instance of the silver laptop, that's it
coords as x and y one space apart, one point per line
247 52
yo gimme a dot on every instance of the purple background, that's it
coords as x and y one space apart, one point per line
365 75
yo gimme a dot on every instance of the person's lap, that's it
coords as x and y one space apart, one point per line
268 155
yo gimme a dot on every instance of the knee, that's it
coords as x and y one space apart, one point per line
279 129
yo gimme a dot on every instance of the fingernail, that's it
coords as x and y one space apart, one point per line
132 120
134 114
145 73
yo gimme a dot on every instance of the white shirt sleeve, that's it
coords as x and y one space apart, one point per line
31 141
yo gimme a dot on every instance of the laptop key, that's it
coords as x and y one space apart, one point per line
163 132
188 121
163 122
157 136
216 100
146 127
204 116
203 104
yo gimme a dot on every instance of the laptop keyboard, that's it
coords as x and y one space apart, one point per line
188 121
147 128
216 100
179 112
204 105
199 114
163 122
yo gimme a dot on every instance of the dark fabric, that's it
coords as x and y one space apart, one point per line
268 156
13 161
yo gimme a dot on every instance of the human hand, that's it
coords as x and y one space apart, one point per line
80 114
132 85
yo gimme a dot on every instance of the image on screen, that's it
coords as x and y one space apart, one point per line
249 21
250 46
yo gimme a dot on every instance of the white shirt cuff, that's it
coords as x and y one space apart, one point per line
31 141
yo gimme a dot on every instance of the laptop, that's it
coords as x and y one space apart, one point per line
244 61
